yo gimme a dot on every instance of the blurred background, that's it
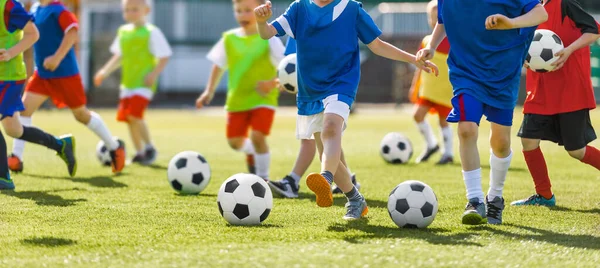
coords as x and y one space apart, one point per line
193 26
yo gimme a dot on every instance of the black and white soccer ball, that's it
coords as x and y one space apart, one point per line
412 204
396 148
103 154
542 50
287 74
245 199
188 172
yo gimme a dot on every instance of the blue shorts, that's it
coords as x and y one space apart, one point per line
467 108
10 97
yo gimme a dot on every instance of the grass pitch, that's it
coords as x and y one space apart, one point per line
137 220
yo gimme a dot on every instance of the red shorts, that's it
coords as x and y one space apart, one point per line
134 106
442 110
259 119
64 91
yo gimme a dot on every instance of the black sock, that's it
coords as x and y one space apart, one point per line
37 136
354 195
3 159
328 176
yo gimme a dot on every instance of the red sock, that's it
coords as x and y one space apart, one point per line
592 157
539 171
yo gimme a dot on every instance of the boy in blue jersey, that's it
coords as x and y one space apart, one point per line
327 34
488 50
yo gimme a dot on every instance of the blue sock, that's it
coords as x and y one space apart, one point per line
354 195
328 176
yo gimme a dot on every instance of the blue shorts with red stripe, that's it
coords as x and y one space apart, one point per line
468 108
10 97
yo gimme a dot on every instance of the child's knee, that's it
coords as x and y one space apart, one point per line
418 116
529 144
467 130
236 143
500 145
258 137
577 154
331 128
82 115
12 127
132 119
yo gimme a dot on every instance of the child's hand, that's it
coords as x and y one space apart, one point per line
150 80
204 99
428 67
98 78
563 56
425 54
4 55
499 22
264 87
263 12
51 63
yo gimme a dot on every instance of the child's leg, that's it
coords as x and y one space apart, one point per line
577 132
261 121
426 131
94 122
145 134
32 102
331 137
537 167
588 155
306 154
447 134
135 134
500 159
5 181
468 133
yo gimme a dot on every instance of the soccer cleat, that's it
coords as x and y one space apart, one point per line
494 210
67 153
336 190
149 156
535 200
322 189
286 187
250 163
427 154
474 212
7 184
118 158
356 210
446 159
15 164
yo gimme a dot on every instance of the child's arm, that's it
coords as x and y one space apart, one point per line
112 65
209 92
262 14
52 62
389 51
438 35
153 76
534 17
30 36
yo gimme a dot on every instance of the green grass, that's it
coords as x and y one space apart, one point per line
136 220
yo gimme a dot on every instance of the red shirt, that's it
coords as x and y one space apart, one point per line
570 88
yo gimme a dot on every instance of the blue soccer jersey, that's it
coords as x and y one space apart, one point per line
290 47
486 64
327 47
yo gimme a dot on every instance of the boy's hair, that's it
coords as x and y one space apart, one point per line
260 2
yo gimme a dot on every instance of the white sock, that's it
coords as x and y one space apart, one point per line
473 184
97 125
448 141
248 147
498 170
427 132
19 145
262 165
296 177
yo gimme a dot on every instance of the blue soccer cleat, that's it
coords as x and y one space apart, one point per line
535 200
355 210
7 184
474 212
67 153
495 208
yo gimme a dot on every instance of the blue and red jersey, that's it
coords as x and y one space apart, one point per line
53 22
15 16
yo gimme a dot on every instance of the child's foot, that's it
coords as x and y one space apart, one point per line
7 184
427 154
494 210
446 159
138 159
322 189
118 158
336 190
67 153
356 210
286 187
535 200
149 156
250 164
474 212
15 164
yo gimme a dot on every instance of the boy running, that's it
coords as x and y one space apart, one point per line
252 86
489 45
57 77
17 34
143 52
327 34
558 103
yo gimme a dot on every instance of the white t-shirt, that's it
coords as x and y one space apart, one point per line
159 46
218 55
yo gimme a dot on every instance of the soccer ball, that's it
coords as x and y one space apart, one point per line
245 199
288 76
412 204
542 50
396 148
103 154
188 173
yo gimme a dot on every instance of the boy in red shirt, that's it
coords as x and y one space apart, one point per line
558 103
